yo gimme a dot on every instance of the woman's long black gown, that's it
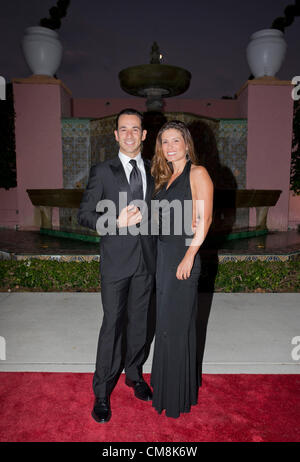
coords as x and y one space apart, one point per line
175 376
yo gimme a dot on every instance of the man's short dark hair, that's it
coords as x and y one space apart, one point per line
130 111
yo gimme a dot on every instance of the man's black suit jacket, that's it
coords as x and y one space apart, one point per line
119 253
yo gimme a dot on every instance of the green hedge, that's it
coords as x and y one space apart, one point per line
49 275
42 275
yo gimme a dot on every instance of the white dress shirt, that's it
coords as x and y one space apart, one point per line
128 167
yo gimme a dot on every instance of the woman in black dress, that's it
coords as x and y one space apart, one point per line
174 375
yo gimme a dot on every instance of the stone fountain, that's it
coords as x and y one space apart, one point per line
155 80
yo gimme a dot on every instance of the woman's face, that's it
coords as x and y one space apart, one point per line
173 145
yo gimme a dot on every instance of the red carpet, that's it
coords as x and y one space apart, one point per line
42 407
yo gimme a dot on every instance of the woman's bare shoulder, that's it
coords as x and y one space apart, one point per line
198 171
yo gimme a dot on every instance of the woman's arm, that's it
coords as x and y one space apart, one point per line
202 194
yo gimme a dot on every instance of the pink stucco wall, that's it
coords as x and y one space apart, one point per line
66 104
38 143
209 107
9 207
294 211
38 148
243 103
270 118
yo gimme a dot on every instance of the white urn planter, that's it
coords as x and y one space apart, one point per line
42 50
266 52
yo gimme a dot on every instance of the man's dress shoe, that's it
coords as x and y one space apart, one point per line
141 389
101 411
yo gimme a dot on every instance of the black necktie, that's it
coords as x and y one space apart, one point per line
136 182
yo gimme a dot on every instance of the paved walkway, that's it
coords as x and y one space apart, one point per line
246 333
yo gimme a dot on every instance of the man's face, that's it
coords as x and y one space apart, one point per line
130 134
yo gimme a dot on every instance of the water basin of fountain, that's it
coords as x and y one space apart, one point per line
155 80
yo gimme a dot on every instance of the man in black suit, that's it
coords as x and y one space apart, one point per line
127 259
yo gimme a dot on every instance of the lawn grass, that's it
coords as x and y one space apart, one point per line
55 276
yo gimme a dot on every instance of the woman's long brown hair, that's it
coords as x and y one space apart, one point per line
161 169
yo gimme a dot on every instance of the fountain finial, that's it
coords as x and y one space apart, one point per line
155 54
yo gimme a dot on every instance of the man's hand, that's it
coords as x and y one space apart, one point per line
129 216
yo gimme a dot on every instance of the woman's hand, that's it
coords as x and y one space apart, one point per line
185 267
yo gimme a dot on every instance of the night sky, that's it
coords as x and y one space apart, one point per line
208 38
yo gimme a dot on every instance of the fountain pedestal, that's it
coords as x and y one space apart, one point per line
155 98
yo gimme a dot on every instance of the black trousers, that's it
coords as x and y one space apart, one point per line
131 295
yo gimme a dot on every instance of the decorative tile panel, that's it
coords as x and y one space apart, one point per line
220 144
232 148
76 149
